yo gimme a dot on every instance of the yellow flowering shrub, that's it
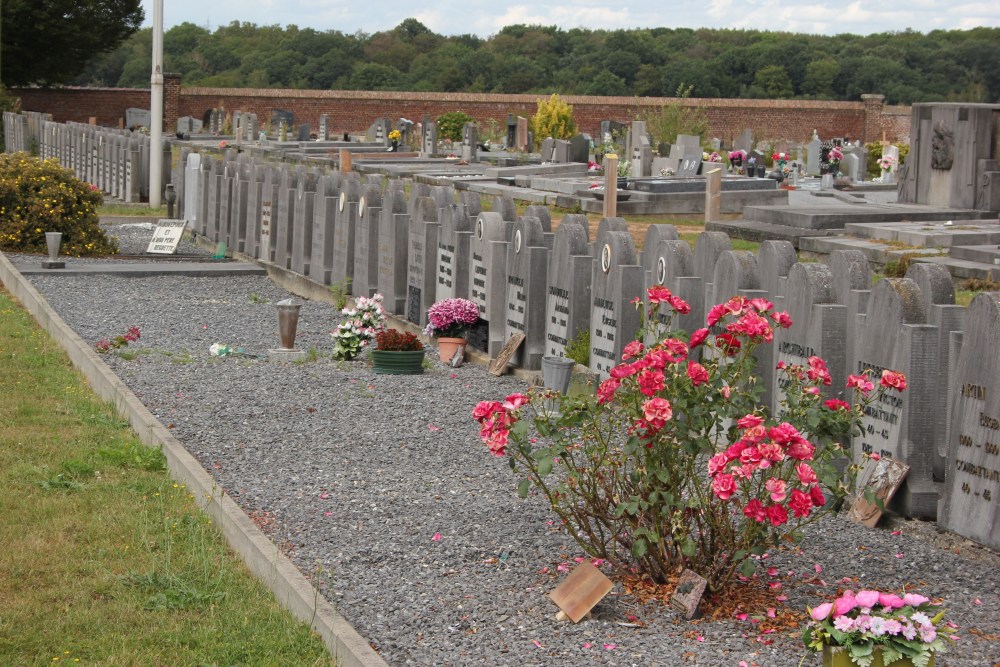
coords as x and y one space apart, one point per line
38 196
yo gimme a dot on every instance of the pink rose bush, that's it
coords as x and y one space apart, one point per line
673 463
900 626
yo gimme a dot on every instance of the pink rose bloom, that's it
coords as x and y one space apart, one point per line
725 391
914 600
844 604
676 348
783 433
771 452
514 401
632 349
761 304
755 434
697 373
867 599
650 382
861 383
755 510
777 515
822 612
801 450
698 337
657 409
782 319
890 600
624 370
734 450
607 390
836 404
485 409
737 304
715 313
800 503
817 497
679 305
749 421
724 486
812 390
658 294
807 476
776 487
717 463
893 380
750 455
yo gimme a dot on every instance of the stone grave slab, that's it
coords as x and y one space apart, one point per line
567 304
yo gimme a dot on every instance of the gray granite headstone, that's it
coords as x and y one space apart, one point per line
239 208
744 142
813 156
345 229
673 267
393 246
366 242
302 223
285 216
453 253
421 278
894 335
852 284
527 280
616 279
819 328
654 234
972 474
567 303
270 192
707 249
579 148
325 204
560 152
192 191
255 191
547 153
488 278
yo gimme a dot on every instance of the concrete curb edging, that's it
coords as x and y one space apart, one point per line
265 560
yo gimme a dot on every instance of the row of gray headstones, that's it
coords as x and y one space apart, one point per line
550 286
116 161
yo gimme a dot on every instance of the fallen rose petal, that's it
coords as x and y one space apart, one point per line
597 562
977 601
437 537
328 513
536 643
587 644
454 375
579 559
742 616
899 555
563 567
610 647
432 427
700 638
781 598
818 568
772 571
896 532
774 584
544 570
324 496
771 613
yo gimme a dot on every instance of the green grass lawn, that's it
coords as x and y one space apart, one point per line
106 560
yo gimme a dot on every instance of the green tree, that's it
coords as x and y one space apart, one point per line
820 77
50 42
554 118
606 83
773 82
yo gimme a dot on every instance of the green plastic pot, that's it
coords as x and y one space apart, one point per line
392 362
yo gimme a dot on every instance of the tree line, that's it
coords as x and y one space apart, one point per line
907 67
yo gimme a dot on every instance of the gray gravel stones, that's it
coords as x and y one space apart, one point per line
353 475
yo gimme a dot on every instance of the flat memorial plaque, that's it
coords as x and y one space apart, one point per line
581 590
882 477
166 237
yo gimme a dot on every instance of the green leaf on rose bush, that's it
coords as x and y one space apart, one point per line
522 488
748 567
639 548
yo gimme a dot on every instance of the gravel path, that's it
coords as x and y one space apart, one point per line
355 475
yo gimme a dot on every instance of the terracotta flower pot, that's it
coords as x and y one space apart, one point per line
447 347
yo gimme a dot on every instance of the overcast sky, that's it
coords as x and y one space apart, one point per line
485 18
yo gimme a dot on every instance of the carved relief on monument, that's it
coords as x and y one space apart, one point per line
942 146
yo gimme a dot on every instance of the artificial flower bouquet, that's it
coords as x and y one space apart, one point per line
779 159
737 157
394 135
363 322
711 157
887 163
451 318
863 623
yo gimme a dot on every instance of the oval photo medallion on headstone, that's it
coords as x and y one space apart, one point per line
517 241
661 271
479 229
606 258
361 207
343 201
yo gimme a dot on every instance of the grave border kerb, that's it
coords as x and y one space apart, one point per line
262 557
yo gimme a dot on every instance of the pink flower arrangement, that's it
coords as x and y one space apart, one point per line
451 318
900 626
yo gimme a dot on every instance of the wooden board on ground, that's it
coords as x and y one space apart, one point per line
687 595
581 590
499 365
883 478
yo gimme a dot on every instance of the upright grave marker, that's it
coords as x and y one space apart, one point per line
616 279
421 278
487 281
452 265
302 223
325 203
393 246
344 232
527 275
972 475
894 336
567 303
366 241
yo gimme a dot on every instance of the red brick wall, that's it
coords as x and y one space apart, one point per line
354 111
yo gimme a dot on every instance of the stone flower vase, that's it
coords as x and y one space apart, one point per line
288 323
556 373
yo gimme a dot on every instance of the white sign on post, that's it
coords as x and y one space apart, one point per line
166 237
